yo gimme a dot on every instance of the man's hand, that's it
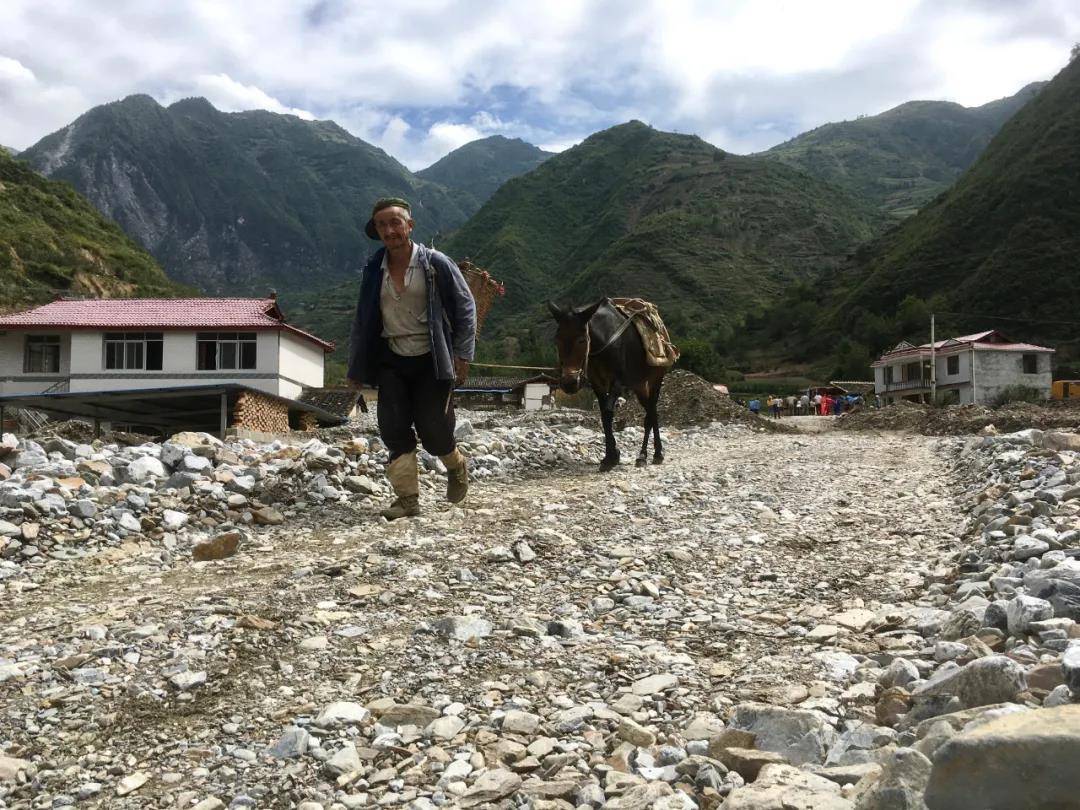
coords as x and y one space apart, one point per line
461 370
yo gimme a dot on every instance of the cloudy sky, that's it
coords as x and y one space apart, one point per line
422 77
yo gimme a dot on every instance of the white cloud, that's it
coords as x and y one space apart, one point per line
25 103
13 72
560 146
487 122
229 95
418 76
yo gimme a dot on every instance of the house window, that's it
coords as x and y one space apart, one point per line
913 371
952 365
888 374
1031 363
128 351
42 355
224 350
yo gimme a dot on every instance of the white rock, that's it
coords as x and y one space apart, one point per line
655 684
130 784
145 468
342 713
173 520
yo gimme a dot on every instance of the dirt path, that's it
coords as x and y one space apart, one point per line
713 567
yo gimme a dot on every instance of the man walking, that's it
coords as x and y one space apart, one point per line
412 336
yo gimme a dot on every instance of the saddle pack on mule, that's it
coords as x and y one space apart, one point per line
659 350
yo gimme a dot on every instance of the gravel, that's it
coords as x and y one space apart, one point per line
822 619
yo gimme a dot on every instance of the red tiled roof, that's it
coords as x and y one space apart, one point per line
1013 347
963 343
157 313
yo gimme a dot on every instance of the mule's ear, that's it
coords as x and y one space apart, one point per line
586 313
556 313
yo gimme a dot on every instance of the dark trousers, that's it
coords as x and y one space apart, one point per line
409 395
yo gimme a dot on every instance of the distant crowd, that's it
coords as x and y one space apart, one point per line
818 404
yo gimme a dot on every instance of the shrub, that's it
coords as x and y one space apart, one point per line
1019 393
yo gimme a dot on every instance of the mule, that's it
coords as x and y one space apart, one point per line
599 343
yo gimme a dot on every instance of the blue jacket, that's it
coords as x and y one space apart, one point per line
451 316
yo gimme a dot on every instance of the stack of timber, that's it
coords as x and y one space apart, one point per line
256 411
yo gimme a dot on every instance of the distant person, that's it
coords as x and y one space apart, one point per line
817 404
775 407
837 406
877 400
755 406
826 405
804 403
790 402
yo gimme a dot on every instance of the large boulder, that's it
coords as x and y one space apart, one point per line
1023 610
1063 596
492 786
1061 441
201 444
801 736
994 679
144 469
1068 570
1019 761
782 787
223 545
30 458
899 785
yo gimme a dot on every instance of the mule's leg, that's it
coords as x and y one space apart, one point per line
643 456
651 410
607 418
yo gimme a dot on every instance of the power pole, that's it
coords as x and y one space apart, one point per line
933 363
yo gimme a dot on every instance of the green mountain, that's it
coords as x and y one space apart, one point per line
476 170
902 158
54 241
632 211
236 202
709 236
999 248
10 150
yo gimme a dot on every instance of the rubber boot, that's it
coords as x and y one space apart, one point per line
405 480
457 476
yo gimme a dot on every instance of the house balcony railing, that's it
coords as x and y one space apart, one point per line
907 385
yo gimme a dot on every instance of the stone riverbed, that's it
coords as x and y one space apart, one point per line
836 621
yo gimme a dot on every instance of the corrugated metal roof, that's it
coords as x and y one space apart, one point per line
157 313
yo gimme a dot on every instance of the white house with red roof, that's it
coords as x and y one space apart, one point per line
124 344
970 369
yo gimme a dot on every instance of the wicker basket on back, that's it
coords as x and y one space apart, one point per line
484 288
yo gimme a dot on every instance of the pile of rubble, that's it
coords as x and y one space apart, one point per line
61 499
687 400
957 420
971 700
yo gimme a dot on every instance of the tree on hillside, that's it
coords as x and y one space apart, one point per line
1075 52
701 358
913 318
852 361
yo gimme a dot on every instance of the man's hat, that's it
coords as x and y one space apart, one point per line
380 204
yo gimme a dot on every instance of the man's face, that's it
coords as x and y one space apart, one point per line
394 226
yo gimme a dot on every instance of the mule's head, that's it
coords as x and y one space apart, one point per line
572 344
